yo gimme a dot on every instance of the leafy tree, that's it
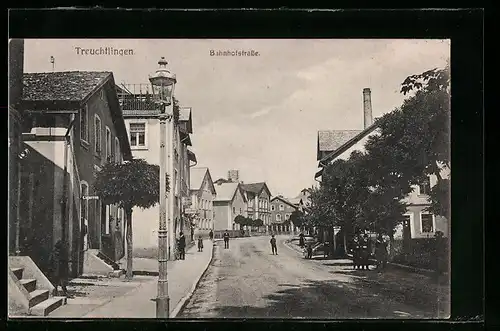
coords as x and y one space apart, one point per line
257 222
440 198
414 140
297 218
241 220
134 183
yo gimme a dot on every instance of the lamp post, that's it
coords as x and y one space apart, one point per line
163 84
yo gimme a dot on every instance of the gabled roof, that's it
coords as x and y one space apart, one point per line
330 140
255 188
65 91
63 85
227 191
198 177
345 146
284 200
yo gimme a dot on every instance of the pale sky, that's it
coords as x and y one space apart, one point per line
261 114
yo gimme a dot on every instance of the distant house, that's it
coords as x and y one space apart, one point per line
302 201
143 127
229 203
258 206
417 222
203 194
73 126
281 210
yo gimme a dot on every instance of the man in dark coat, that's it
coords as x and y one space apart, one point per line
200 244
274 248
365 252
226 239
211 235
58 267
356 252
301 240
381 252
182 246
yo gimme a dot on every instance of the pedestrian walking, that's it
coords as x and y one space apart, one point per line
356 252
365 252
381 252
58 267
200 244
274 248
211 235
182 246
301 240
226 239
309 251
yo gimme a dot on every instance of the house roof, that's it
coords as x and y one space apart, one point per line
345 146
330 140
255 187
141 113
196 176
226 191
63 85
69 91
284 200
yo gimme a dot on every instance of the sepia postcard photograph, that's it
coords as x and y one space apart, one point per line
229 178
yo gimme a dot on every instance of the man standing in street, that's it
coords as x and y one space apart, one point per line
182 246
274 248
226 239
211 235
58 269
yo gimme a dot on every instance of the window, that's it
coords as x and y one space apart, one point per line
427 223
117 150
84 124
102 95
138 134
287 216
84 191
272 208
107 224
97 134
109 145
282 207
176 187
241 211
278 217
425 187
234 210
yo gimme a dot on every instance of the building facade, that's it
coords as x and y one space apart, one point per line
229 203
73 127
143 127
281 210
258 205
203 194
417 223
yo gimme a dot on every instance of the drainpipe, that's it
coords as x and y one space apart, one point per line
64 198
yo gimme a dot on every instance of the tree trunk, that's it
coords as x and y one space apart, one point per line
128 216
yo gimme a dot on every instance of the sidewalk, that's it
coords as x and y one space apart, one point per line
119 298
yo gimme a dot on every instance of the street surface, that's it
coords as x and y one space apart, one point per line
247 281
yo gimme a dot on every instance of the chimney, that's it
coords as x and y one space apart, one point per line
367 107
233 176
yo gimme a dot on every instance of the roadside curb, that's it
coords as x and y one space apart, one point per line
183 302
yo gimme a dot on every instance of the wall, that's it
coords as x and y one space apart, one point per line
240 208
264 208
89 162
288 210
222 214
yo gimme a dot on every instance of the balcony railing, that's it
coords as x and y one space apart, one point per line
136 97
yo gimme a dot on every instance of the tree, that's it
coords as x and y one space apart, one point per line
134 183
297 218
257 222
414 140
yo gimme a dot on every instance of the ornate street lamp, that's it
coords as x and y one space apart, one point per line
163 84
